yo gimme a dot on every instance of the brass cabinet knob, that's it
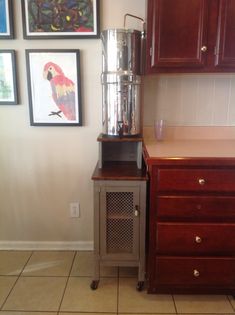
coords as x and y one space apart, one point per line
198 239
201 181
196 273
203 48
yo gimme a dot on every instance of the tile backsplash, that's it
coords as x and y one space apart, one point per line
190 99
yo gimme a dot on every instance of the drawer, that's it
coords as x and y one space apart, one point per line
195 271
196 207
195 239
218 180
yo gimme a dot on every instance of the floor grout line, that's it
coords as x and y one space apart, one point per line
18 277
230 302
26 263
66 284
173 298
118 274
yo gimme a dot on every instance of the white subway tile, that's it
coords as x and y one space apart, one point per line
221 98
205 99
190 99
231 113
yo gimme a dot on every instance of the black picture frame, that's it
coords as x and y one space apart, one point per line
6 19
8 79
54 87
63 21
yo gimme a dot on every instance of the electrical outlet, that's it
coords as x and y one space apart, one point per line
74 209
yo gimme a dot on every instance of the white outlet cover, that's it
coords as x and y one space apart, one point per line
74 210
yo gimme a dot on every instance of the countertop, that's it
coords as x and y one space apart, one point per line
197 144
190 148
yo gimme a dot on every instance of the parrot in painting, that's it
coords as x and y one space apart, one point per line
63 90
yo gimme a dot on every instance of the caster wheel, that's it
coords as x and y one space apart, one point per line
140 286
94 284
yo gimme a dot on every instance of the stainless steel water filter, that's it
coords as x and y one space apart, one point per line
121 50
121 81
121 104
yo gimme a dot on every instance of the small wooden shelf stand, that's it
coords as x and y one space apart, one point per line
119 206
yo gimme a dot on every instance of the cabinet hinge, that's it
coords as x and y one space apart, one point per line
150 51
215 51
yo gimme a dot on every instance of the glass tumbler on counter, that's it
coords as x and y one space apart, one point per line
159 129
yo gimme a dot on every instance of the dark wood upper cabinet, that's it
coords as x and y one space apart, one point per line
225 56
179 33
190 36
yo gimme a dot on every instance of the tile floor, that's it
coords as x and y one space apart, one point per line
58 282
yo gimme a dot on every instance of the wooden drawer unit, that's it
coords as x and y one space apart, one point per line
194 208
220 180
194 239
191 226
196 272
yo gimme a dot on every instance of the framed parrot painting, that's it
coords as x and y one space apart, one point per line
54 87
6 20
60 18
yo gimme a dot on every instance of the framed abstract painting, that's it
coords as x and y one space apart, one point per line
60 19
8 88
54 87
6 19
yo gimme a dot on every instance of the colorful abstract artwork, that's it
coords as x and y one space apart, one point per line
60 18
6 24
57 74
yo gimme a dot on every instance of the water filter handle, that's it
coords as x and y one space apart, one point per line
135 17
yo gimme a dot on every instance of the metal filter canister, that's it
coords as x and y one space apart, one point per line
121 50
121 104
121 68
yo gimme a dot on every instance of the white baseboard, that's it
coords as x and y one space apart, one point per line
21 245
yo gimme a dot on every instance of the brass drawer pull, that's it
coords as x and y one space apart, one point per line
196 273
201 181
203 48
198 239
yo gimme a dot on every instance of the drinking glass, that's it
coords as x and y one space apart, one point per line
159 126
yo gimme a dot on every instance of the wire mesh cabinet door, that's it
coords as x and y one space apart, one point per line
119 222
119 226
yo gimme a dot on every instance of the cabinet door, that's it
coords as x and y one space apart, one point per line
225 52
177 33
119 224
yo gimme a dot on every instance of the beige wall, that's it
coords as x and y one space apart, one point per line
43 169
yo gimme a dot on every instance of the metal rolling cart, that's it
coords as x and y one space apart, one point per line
119 206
